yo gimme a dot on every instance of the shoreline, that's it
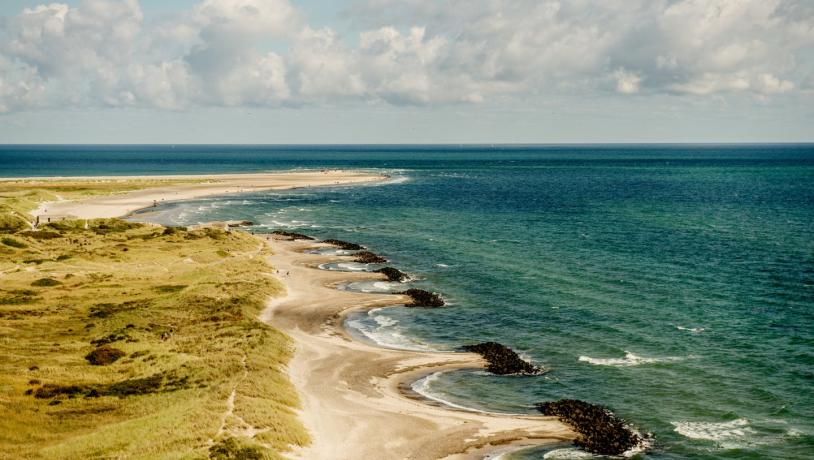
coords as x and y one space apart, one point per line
187 187
357 397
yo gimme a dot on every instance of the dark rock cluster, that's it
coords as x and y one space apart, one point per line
367 257
393 274
600 431
242 223
502 360
422 298
292 235
344 245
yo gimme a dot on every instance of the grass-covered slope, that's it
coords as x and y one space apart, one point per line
18 197
127 340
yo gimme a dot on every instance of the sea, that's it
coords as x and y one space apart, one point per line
673 284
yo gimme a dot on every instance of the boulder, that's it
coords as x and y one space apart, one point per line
502 360
600 431
367 257
344 245
393 274
422 298
292 235
240 223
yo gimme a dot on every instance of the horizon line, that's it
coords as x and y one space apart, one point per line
438 144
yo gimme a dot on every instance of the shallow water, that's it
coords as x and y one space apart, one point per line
674 284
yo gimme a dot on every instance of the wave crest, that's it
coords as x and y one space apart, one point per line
629 360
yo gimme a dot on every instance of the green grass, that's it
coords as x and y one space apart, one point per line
182 321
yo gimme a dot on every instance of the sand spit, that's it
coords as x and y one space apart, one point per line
200 186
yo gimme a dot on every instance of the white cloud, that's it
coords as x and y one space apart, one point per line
264 52
627 82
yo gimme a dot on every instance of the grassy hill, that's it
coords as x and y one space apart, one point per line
128 340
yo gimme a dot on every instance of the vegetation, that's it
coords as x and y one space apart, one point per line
173 325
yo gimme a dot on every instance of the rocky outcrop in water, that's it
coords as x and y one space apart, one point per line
344 245
292 235
422 298
600 431
393 274
367 257
239 223
502 360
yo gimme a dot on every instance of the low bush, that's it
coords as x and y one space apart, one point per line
46 282
104 355
13 243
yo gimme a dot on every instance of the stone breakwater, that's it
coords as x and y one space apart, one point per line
367 257
600 431
292 235
344 245
393 274
502 360
422 298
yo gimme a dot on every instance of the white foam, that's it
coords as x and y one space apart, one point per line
694 330
422 387
630 359
442 265
345 266
385 332
374 286
569 453
727 434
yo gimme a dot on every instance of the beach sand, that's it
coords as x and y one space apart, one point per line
119 205
356 397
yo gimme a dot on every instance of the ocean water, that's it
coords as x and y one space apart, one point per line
674 284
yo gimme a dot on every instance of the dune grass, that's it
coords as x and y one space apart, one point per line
123 340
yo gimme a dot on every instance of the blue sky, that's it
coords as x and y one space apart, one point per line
406 71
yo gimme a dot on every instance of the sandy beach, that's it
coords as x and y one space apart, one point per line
356 397
200 186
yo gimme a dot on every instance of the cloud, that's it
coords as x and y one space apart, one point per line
415 52
627 82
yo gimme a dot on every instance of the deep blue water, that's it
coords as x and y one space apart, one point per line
674 284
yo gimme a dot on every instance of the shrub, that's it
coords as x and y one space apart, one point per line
173 230
11 223
104 226
13 243
230 449
104 355
42 235
46 282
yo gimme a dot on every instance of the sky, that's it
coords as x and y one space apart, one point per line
406 71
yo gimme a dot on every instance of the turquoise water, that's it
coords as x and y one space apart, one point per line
674 284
